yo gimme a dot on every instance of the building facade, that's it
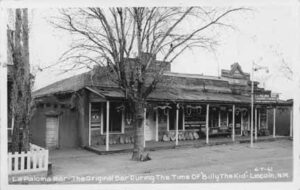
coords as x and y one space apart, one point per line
85 110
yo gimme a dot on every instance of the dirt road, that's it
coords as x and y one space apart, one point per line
268 161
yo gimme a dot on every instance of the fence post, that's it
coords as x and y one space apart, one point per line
9 162
16 161
41 156
33 160
22 161
28 160
46 159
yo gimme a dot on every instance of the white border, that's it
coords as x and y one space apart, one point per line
105 3
152 3
3 98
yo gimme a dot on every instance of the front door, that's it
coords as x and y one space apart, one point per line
52 132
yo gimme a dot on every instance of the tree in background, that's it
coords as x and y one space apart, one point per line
21 102
109 37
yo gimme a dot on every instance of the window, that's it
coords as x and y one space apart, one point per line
96 116
172 116
224 118
162 115
213 117
115 117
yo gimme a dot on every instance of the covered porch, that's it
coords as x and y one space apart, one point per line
176 120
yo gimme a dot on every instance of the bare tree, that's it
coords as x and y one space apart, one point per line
21 104
109 37
286 69
284 66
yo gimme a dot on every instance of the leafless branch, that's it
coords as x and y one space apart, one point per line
110 37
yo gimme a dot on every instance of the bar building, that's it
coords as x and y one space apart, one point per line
88 110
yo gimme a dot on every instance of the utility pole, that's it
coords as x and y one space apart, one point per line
255 67
252 105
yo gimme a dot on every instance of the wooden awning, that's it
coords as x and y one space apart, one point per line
185 95
175 95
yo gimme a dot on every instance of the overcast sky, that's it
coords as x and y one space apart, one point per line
265 35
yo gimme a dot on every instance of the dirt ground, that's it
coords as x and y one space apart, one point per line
267 161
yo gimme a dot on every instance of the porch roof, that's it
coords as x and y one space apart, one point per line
177 94
188 95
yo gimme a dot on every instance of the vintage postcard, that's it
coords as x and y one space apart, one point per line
117 95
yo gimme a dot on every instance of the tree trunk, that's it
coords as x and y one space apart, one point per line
16 91
138 124
139 104
27 81
21 88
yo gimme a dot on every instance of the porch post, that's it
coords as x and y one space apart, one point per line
207 121
259 119
255 124
102 118
183 120
156 125
233 122
267 118
168 120
249 120
274 122
219 118
145 112
123 121
242 123
90 124
176 125
227 119
291 122
107 125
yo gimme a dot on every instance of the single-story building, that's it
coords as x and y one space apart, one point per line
85 110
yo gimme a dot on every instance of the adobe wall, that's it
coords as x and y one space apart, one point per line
83 118
68 133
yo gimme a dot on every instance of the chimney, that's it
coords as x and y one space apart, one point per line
146 56
157 64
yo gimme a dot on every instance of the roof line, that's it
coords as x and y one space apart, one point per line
94 91
191 75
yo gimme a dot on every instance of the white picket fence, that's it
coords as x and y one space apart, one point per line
35 160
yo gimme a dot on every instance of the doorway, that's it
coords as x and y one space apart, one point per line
52 132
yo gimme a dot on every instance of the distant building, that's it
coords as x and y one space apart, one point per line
76 111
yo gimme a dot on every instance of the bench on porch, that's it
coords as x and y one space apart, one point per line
215 131
194 124
219 131
223 130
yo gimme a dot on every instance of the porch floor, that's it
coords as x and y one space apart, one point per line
154 145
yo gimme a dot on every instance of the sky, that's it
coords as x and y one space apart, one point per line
264 35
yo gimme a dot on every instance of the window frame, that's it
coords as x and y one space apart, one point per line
102 124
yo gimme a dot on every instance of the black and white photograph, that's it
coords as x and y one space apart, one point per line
150 93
